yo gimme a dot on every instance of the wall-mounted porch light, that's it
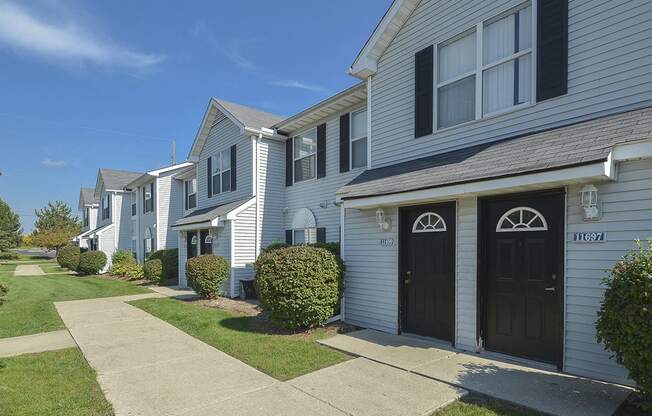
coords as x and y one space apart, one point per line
589 202
383 222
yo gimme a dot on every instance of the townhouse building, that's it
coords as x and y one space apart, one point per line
87 207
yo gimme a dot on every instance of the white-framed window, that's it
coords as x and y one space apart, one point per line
359 138
521 219
305 155
222 172
486 70
429 222
190 189
87 215
134 198
106 207
304 236
134 248
149 197
148 243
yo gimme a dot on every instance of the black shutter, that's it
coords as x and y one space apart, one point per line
185 194
321 235
151 186
288 162
321 150
144 206
345 135
109 207
209 173
288 236
233 164
552 48
423 100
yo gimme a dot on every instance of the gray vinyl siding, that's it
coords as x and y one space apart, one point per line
244 250
169 209
609 70
313 192
123 221
271 191
370 282
146 220
627 216
222 136
222 248
466 273
183 256
106 244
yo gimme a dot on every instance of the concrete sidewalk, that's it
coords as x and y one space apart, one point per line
146 366
547 391
28 270
29 344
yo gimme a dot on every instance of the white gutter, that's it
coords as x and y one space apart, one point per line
263 132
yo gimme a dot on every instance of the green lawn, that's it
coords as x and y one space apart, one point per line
477 405
52 268
281 356
50 383
29 307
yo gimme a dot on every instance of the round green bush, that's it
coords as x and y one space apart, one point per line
3 292
624 321
206 274
153 270
170 262
91 262
8 255
299 286
68 257
122 262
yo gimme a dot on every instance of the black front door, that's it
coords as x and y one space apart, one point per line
427 271
521 260
192 245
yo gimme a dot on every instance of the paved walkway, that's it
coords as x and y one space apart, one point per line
28 270
546 391
29 344
146 366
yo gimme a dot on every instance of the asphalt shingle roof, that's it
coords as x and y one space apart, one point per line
209 214
573 145
117 179
87 196
250 117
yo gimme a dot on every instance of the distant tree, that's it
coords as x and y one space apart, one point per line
27 240
55 226
9 227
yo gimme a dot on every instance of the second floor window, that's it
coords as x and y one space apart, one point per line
106 207
191 193
133 203
87 215
469 88
305 155
359 139
222 172
148 198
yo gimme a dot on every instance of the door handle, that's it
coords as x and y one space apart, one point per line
408 279
551 289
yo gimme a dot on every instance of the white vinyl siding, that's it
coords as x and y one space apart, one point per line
609 70
466 273
244 251
271 191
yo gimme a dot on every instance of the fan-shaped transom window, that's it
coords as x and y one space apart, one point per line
522 219
429 222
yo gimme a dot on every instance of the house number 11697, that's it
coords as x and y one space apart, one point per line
386 242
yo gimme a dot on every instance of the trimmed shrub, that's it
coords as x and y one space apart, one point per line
133 271
169 262
299 286
332 247
624 321
68 257
153 270
8 255
3 292
91 262
122 262
275 246
206 273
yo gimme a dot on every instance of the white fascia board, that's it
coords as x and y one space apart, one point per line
262 132
102 231
194 226
632 151
234 213
594 172
170 168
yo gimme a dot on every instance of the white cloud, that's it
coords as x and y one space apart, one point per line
290 83
51 163
69 41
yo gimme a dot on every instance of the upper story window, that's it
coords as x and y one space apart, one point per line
87 214
148 198
106 206
305 155
222 172
359 138
485 70
190 187
134 197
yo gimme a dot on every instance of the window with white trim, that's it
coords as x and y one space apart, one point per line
304 236
222 172
521 219
149 197
106 209
87 215
359 138
134 198
190 187
305 155
148 243
429 222
501 79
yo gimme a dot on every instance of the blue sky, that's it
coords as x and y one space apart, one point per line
87 84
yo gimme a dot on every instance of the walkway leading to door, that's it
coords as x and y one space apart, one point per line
28 270
546 391
146 366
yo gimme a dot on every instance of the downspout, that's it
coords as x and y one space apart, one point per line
232 255
257 242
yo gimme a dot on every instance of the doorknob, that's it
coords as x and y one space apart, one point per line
408 279
551 289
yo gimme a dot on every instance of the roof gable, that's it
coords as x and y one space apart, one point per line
87 197
243 117
114 180
366 63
